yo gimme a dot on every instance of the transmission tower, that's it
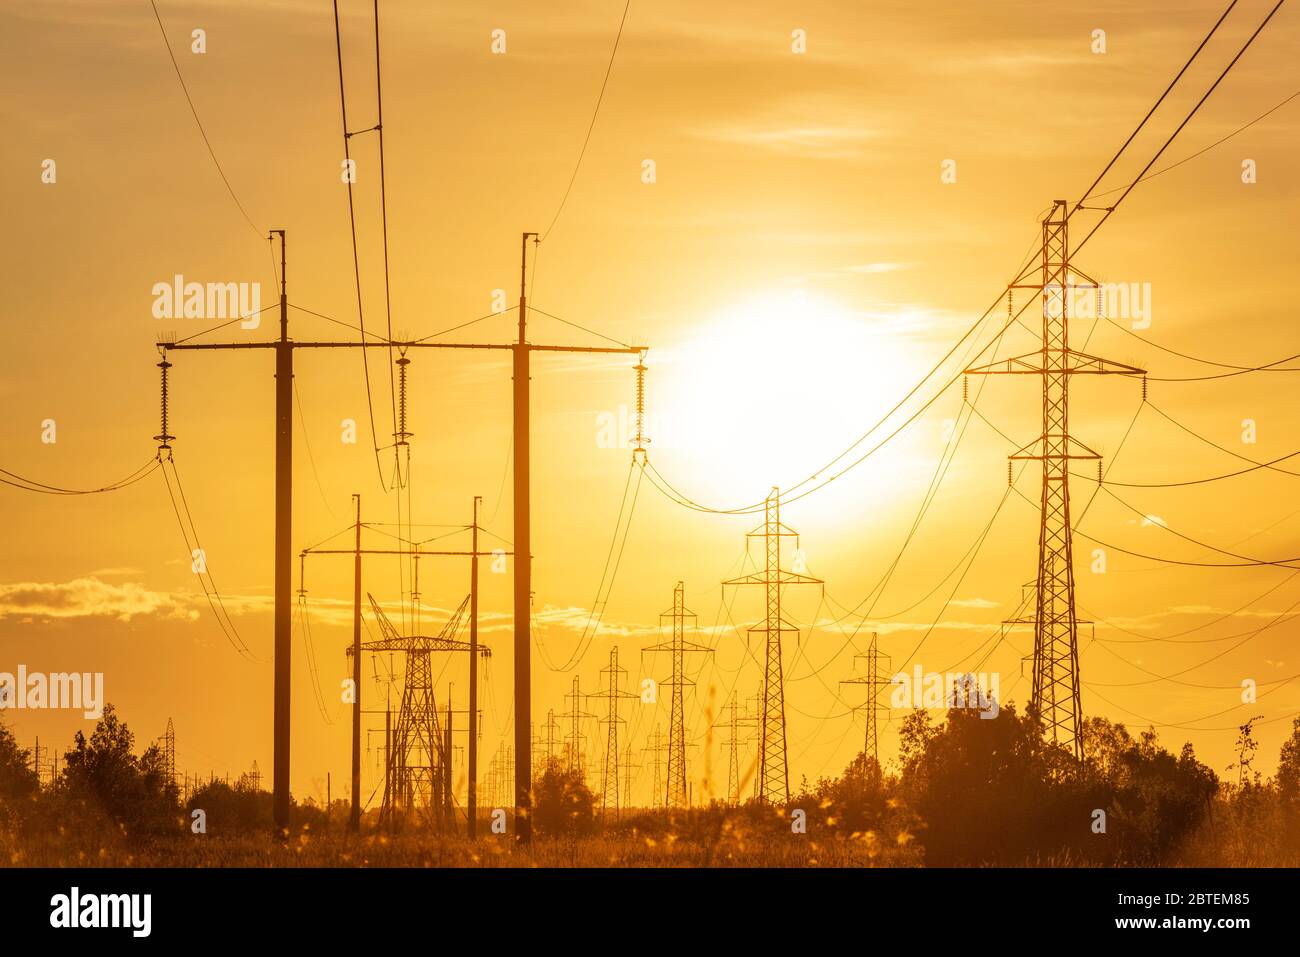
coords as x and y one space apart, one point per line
169 751
573 741
612 694
37 764
250 780
656 745
628 767
773 784
1055 696
675 791
551 727
874 680
417 755
734 721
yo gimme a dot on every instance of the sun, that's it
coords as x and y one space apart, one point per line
770 389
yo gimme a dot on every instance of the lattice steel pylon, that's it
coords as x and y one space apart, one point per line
874 680
575 737
169 747
675 792
655 745
550 728
628 767
1055 698
612 694
417 757
772 786
733 723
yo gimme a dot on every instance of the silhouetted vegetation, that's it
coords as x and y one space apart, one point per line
964 791
562 803
17 779
231 809
103 773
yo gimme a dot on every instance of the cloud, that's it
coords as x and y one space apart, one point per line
820 141
87 597
972 603
91 597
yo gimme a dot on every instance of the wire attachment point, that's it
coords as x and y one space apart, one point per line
164 438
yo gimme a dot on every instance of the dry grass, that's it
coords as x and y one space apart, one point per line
335 849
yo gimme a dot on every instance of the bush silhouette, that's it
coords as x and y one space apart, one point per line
562 802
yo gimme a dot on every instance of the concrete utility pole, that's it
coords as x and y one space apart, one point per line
1055 697
471 745
523 564
414 551
284 349
354 812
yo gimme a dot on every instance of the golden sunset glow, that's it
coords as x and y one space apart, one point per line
810 280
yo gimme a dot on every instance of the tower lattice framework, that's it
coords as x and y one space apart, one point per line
1055 697
874 679
772 785
417 754
675 792
612 694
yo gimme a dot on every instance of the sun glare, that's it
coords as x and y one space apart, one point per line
774 387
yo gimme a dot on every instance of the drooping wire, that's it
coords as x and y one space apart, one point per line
592 125
1187 119
311 458
192 544
199 123
356 259
682 500
1172 83
30 485
1218 142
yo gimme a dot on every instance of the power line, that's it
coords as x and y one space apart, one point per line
1221 448
1187 119
302 419
1172 83
595 113
209 586
30 485
1218 142
199 123
356 260
1237 369
682 500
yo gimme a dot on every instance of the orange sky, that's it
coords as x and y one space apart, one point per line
795 267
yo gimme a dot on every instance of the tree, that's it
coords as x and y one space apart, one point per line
1288 784
1246 746
104 771
1288 770
17 780
562 802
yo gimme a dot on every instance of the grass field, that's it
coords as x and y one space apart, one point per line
335 849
